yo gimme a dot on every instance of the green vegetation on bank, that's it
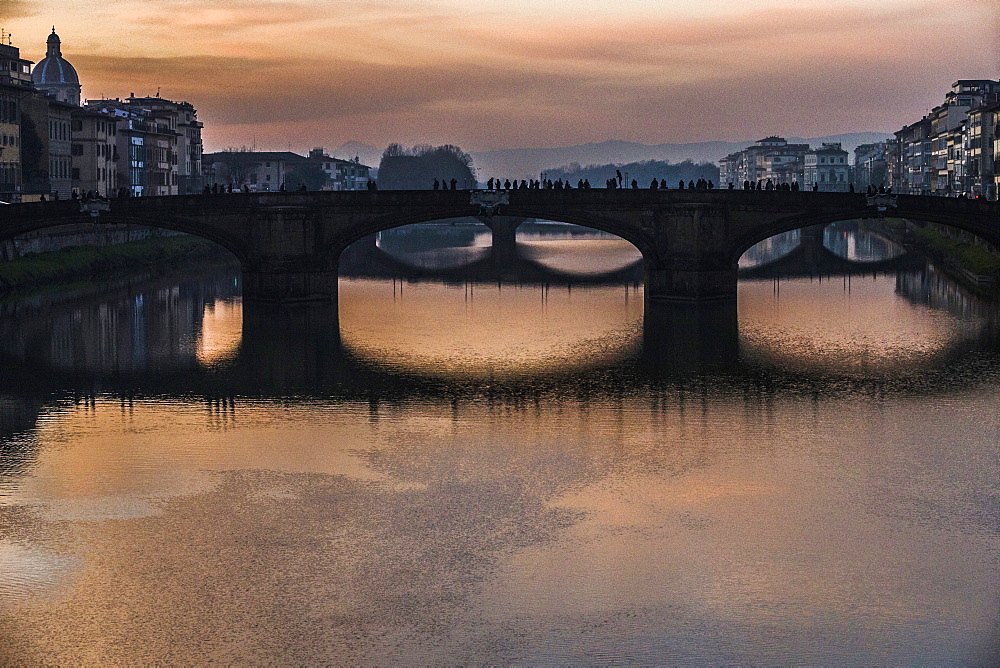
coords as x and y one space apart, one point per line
969 256
81 262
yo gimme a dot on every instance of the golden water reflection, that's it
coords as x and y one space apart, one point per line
485 330
586 257
567 531
221 331
846 325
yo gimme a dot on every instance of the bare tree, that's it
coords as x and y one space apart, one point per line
239 164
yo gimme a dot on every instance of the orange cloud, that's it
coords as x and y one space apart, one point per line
438 71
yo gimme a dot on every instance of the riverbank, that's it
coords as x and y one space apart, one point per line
970 262
37 270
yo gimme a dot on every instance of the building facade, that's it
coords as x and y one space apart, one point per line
871 162
15 86
769 158
949 151
981 156
341 174
827 169
146 142
95 152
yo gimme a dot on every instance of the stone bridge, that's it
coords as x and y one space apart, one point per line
289 244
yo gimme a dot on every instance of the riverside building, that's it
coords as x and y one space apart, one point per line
769 158
949 151
15 86
827 168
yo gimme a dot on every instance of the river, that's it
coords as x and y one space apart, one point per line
522 470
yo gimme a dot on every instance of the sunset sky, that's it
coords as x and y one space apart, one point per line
295 74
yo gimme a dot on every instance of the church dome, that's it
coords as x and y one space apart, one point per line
53 69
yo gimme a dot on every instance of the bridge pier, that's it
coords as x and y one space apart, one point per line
289 286
287 347
681 338
690 285
504 229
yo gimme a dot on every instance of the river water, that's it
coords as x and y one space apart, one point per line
528 469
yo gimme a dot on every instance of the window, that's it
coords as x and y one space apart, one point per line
823 160
76 149
76 174
77 126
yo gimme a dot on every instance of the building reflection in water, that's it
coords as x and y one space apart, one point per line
453 329
164 325
851 241
405 497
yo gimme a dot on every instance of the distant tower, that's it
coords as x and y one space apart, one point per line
55 75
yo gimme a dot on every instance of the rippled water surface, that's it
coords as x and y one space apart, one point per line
516 471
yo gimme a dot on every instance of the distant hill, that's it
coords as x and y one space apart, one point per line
369 155
525 162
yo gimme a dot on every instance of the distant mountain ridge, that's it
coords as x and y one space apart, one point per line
525 162
530 162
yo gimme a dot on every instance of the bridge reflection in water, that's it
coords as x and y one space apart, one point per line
397 319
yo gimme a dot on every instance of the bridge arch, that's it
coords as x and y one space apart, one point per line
236 246
592 221
980 228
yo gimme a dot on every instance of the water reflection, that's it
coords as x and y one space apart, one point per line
442 245
488 330
852 241
160 326
450 472
474 330
770 249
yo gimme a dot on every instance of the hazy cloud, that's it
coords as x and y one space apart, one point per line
519 73
16 9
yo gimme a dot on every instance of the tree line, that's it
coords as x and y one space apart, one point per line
416 168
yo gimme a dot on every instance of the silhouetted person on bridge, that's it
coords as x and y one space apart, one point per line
635 184
654 185
663 184
815 187
437 186
207 190
850 187
618 173
680 184
454 184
